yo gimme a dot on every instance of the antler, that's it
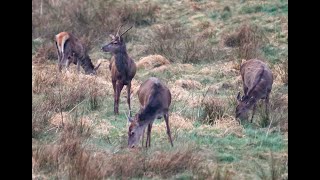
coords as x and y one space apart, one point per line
117 34
126 31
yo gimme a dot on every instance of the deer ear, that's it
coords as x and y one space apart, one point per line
239 96
112 36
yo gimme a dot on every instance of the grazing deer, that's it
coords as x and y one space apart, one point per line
122 67
257 84
155 99
71 50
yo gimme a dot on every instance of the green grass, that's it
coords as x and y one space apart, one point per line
274 54
270 9
257 154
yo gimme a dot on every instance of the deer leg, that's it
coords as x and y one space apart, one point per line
59 67
68 62
78 63
245 90
78 67
253 111
128 97
267 106
114 85
118 92
149 134
142 140
147 140
150 125
166 118
59 58
60 63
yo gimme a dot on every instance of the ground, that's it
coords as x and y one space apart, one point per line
75 134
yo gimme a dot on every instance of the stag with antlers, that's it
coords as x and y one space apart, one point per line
122 67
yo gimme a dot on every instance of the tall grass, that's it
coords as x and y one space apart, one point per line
91 21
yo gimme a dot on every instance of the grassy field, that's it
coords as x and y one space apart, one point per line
195 47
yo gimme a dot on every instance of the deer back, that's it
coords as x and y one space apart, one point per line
257 77
154 97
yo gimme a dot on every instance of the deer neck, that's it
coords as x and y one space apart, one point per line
146 118
150 112
253 90
85 63
121 61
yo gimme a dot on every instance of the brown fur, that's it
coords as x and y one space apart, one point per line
155 99
122 67
71 50
257 84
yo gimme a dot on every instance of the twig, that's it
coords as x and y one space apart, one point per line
76 106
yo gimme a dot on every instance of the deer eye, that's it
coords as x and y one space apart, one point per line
132 133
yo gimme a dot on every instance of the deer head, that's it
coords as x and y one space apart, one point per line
88 67
136 129
244 104
117 44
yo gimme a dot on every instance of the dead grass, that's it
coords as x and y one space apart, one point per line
85 19
281 72
176 122
228 125
248 40
161 69
72 158
188 84
45 52
213 109
178 93
178 45
206 71
152 61
66 119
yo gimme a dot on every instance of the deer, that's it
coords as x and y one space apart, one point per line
71 50
122 67
257 81
155 99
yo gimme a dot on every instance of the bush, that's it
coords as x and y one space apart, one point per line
247 41
178 45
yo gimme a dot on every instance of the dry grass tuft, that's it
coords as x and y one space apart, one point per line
67 120
45 52
103 127
213 109
206 71
176 122
248 40
152 61
178 93
228 125
188 84
161 69
281 72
